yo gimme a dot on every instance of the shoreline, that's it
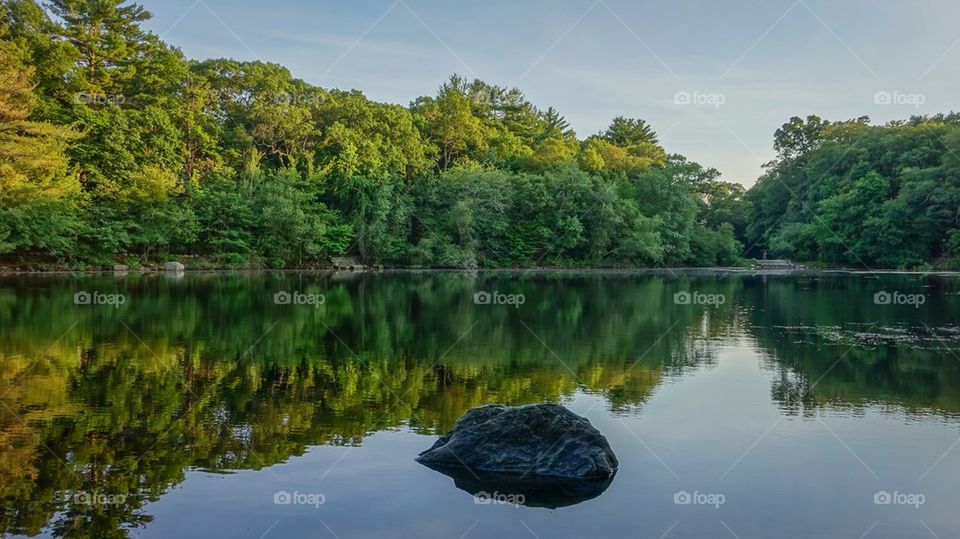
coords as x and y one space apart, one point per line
6 272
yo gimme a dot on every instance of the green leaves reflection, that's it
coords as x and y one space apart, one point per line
207 372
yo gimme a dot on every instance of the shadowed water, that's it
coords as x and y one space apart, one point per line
206 405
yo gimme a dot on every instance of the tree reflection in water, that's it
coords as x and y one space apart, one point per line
207 372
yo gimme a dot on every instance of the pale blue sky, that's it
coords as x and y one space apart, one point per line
750 63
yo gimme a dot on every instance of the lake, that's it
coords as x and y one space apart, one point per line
281 405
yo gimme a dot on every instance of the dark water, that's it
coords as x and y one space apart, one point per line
787 406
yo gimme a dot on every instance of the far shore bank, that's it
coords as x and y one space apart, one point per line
12 271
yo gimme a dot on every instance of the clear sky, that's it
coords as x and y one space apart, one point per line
715 78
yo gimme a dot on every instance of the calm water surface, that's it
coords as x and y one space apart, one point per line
780 406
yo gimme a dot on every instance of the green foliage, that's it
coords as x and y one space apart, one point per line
682 197
365 139
270 217
599 155
380 213
798 136
244 165
859 195
38 189
294 228
626 132
107 38
449 121
113 146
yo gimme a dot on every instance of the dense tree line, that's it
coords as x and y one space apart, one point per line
116 148
853 194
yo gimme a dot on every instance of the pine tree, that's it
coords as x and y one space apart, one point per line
108 37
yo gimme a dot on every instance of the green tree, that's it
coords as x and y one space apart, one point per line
38 189
625 132
373 140
862 195
798 136
449 123
108 39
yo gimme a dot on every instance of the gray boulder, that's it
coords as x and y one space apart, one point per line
173 266
538 440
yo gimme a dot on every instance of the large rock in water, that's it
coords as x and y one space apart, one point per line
536 441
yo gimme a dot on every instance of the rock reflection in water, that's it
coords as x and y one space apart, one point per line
528 490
